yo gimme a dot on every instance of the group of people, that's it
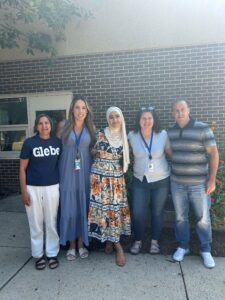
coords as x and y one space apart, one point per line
79 176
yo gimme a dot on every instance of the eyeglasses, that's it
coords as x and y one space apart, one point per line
150 108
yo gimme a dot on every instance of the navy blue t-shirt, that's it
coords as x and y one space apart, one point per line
43 155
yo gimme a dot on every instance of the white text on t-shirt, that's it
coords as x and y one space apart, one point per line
40 152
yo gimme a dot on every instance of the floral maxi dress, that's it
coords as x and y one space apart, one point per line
109 215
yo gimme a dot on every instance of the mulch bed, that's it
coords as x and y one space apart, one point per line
168 243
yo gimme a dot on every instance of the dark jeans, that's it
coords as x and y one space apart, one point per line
143 192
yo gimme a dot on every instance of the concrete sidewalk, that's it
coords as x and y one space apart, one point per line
143 277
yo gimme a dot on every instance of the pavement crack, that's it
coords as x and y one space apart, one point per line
185 287
14 275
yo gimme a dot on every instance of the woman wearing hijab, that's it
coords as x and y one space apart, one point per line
109 215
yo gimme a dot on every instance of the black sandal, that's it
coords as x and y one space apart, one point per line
40 264
53 262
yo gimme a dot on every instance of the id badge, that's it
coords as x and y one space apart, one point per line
77 164
150 167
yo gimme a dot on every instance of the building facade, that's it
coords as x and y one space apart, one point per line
124 57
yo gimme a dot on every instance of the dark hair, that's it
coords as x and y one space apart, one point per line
88 120
156 125
37 120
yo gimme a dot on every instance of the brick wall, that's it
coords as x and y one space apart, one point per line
9 176
133 78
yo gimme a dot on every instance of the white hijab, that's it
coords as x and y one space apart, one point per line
118 136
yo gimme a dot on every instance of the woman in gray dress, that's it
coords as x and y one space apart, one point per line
78 135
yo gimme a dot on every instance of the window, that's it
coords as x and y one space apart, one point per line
12 140
13 111
18 113
13 124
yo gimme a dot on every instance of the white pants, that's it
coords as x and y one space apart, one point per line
43 209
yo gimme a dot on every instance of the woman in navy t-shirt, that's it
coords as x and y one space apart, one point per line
39 180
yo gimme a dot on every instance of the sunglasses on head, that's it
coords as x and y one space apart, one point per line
150 108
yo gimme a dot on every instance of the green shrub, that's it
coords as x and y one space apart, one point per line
218 197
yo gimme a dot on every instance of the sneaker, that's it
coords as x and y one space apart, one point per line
180 253
136 247
154 249
208 260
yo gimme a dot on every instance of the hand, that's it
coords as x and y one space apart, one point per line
210 186
93 152
26 199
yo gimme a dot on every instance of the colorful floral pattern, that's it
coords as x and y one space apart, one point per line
109 215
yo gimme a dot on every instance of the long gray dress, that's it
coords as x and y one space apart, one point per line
74 189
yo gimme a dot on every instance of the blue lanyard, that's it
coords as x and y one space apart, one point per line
78 138
149 147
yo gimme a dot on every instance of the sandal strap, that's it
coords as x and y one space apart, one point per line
83 252
40 264
71 252
53 262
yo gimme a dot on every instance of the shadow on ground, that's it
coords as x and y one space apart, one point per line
168 243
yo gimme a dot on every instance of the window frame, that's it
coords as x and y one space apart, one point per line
12 154
58 100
